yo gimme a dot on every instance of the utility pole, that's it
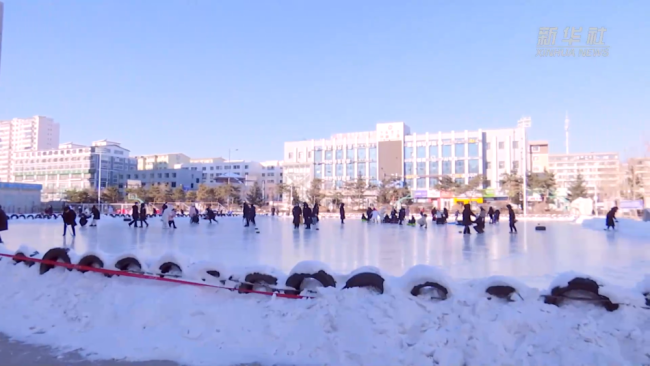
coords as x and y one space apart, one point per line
524 123
99 180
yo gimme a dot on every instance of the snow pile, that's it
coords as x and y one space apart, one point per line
616 294
628 227
139 320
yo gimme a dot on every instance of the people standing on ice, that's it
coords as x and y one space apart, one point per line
402 215
272 210
491 214
369 212
434 214
4 221
252 212
69 218
210 214
95 214
307 215
246 214
143 215
610 219
467 218
296 212
171 216
134 215
342 212
445 213
511 219
315 213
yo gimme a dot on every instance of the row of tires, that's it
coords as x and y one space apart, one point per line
55 216
308 276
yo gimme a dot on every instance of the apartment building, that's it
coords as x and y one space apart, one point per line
601 172
173 178
72 167
25 134
418 159
270 178
161 161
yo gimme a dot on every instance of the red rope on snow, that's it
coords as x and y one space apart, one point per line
146 276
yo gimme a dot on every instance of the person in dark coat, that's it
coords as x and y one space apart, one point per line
480 221
497 215
143 215
467 218
134 215
315 213
4 221
402 215
491 214
610 219
307 215
445 213
95 214
210 214
69 218
251 214
296 212
273 211
164 207
342 212
369 213
246 212
511 219
434 213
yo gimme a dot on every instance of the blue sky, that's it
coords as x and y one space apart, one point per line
202 76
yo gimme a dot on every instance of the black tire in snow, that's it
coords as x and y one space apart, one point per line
91 261
124 264
647 298
55 255
501 291
169 267
442 290
14 216
22 216
256 278
21 254
366 279
581 284
296 280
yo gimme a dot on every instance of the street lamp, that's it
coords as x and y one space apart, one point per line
229 193
99 179
524 123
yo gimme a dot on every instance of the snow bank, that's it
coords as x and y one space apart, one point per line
199 326
421 273
480 285
628 227
616 294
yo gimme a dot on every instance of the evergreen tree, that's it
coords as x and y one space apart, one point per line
205 194
577 189
315 193
111 194
255 196
512 183
178 195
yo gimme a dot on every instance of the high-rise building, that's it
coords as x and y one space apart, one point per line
25 134
161 161
538 156
271 177
601 172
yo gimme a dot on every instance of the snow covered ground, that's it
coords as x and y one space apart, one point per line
139 320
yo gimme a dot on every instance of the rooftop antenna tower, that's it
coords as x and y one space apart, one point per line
566 132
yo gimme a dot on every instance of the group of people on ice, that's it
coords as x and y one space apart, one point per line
69 218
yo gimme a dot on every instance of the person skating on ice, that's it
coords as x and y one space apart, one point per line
511 219
143 215
171 216
480 221
135 217
342 212
210 214
307 215
296 212
69 219
4 221
252 212
194 214
314 212
467 218
402 215
610 219
95 215
246 213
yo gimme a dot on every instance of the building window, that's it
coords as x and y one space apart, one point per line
433 151
488 165
173 175
159 175
203 169
372 153
472 149
166 175
515 144
318 156
535 148
328 155
487 183
515 165
408 152
361 169
421 168
446 151
421 183
339 167
318 171
173 184
421 152
339 154
349 153
502 165
408 169
290 156
446 167
373 171
433 168
459 180
328 167
459 150
501 145
472 166
459 167
361 153
135 176
349 170
211 168
128 176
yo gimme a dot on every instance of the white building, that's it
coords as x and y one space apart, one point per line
418 159
72 167
25 134
270 178
601 172
161 161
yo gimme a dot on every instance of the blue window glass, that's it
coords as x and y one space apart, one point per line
432 183
328 154
361 169
421 183
459 167
328 170
361 153
318 171
372 153
349 153
433 151
373 171
318 156
472 149
339 170
421 152
433 168
421 168
408 152
446 167
446 151
473 166
349 170
459 150
460 180
339 184
339 154
408 168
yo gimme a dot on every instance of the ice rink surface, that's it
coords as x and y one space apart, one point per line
535 257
